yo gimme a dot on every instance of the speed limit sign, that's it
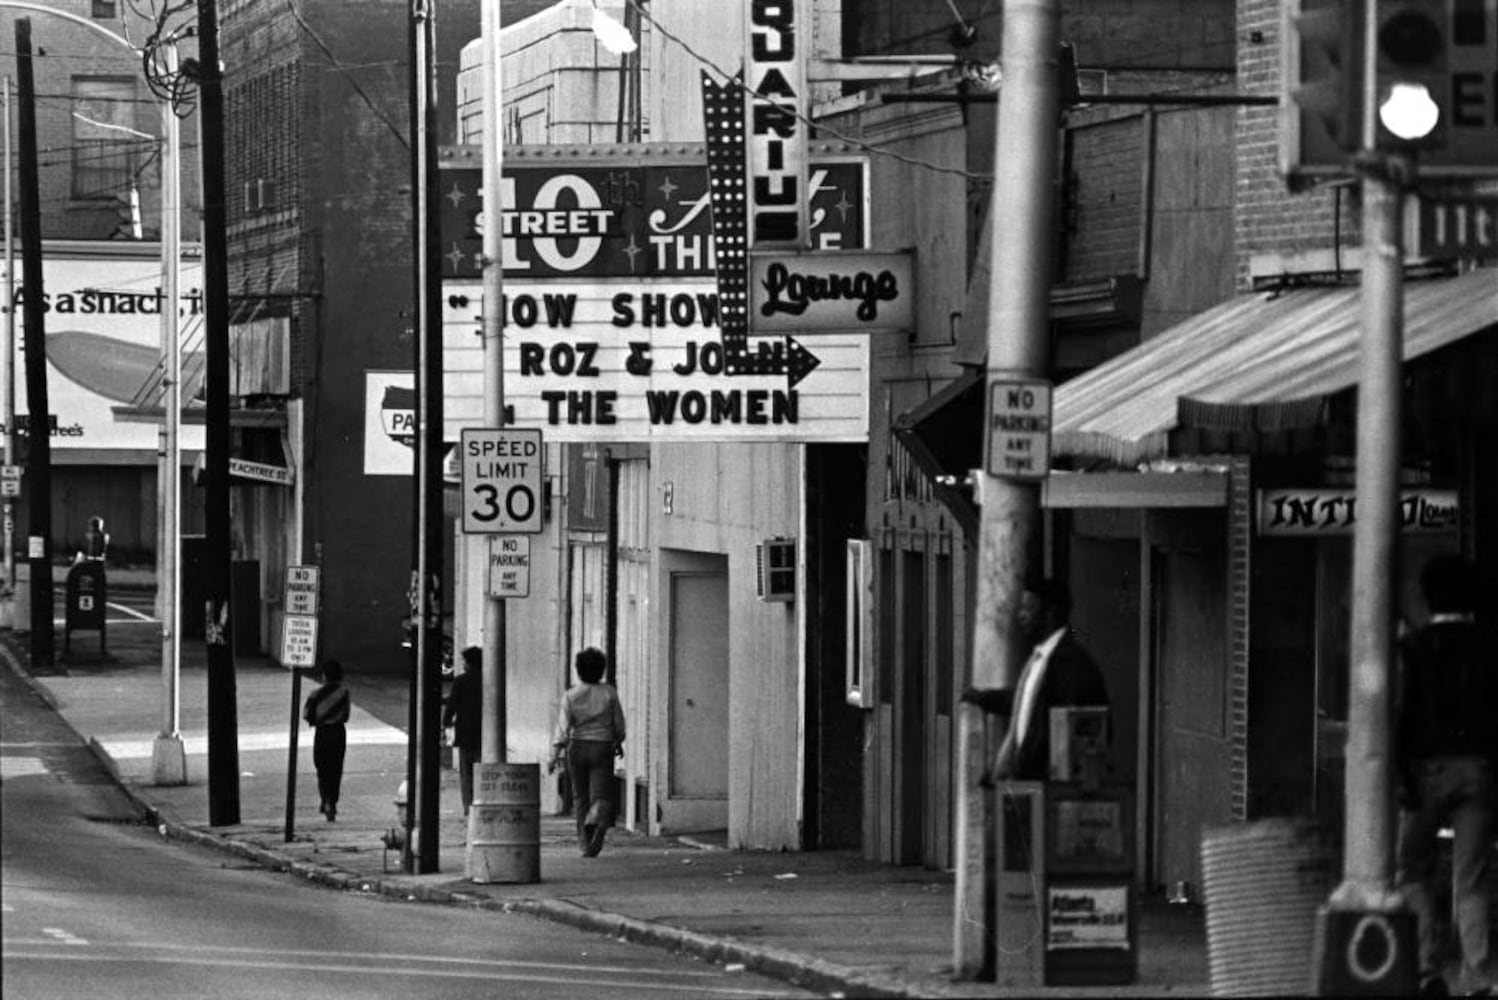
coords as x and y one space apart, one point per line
501 480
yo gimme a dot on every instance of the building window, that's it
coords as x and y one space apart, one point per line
104 8
104 156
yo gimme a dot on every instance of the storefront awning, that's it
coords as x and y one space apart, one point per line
1266 361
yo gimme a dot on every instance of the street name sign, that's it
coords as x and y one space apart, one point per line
500 480
1018 429
510 566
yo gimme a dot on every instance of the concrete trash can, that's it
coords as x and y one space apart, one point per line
1263 883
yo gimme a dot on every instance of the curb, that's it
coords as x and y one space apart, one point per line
787 966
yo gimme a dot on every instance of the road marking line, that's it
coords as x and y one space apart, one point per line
21 767
64 936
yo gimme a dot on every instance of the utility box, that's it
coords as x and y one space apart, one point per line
87 594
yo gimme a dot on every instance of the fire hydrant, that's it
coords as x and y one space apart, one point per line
395 838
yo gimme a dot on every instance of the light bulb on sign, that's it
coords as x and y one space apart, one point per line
1409 112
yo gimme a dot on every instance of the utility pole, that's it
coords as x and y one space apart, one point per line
223 723
1021 229
8 388
427 703
39 425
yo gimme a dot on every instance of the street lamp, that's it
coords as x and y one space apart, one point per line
168 757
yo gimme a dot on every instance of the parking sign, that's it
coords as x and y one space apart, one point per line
500 474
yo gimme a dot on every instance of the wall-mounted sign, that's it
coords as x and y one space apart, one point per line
1451 227
1018 431
643 361
1324 511
774 125
863 291
597 220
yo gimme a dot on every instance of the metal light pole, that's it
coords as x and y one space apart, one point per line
168 756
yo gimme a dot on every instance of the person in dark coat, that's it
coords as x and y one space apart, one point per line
465 713
327 711
1059 672
1446 759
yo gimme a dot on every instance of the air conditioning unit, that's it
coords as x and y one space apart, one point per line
775 569
259 195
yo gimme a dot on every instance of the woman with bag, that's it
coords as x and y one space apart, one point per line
590 734
327 710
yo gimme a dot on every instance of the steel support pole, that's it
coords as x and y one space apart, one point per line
494 738
1020 227
1369 832
168 756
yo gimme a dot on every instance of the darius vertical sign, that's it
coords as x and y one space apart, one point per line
774 124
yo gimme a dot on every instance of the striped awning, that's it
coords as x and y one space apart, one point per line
1266 361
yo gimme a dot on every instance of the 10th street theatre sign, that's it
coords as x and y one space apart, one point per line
610 305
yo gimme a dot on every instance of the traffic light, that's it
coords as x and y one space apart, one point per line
1323 73
1411 102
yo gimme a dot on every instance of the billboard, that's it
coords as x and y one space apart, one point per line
102 321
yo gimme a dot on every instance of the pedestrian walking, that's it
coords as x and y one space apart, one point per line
1446 755
589 735
1059 673
465 713
327 711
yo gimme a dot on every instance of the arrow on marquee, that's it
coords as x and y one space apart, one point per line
723 109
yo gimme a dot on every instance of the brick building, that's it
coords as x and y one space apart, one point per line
321 285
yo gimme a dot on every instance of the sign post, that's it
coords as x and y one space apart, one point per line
298 650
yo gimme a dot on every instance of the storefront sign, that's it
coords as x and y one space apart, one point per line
1087 917
852 291
775 134
1319 511
643 361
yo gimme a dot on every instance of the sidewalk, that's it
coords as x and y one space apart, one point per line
828 920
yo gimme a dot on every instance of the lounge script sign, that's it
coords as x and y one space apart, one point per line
831 290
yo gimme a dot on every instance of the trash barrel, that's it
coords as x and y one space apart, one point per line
1263 883
504 824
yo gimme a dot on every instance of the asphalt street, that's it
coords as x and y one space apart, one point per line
97 905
